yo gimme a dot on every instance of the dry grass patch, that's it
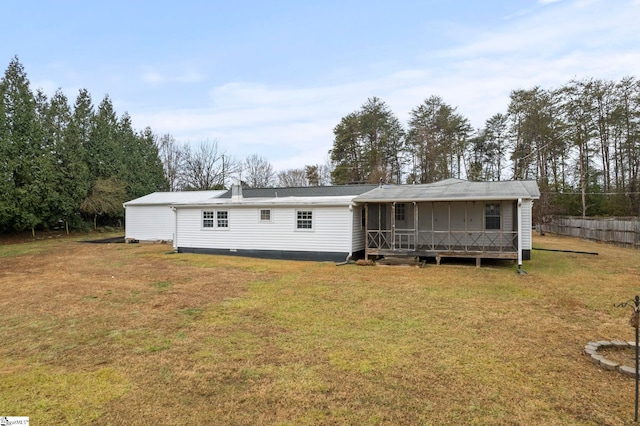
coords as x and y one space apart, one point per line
227 340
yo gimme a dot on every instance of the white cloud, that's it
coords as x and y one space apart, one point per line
292 126
153 77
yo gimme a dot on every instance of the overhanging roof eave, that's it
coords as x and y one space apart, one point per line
434 199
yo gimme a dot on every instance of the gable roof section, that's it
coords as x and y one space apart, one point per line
304 191
166 198
453 190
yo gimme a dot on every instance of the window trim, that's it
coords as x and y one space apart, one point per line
207 219
213 217
222 219
309 219
263 219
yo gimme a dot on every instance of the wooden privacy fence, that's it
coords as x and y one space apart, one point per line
617 230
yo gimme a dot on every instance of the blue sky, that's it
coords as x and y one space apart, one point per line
274 78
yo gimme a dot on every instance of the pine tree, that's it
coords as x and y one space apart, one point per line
368 146
437 138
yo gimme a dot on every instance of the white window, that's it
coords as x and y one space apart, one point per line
207 219
265 215
304 219
215 219
400 212
223 219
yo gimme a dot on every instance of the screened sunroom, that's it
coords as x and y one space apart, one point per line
453 218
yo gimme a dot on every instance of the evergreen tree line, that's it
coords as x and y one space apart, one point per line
67 165
580 142
63 165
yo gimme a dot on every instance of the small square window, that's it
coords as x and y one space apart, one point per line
223 219
265 215
207 219
304 219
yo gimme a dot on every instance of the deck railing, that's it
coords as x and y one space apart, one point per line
379 239
465 241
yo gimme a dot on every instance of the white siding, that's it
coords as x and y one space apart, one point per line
149 223
358 231
527 207
331 229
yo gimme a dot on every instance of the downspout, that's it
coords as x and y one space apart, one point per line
351 234
366 230
520 270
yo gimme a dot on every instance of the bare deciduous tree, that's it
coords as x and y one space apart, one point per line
293 178
204 167
172 156
257 172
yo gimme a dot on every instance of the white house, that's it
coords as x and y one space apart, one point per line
150 218
451 218
311 223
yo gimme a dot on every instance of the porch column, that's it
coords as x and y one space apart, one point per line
393 226
415 226
449 225
366 231
379 233
519 234
433 229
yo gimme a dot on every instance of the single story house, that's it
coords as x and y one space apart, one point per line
150 218
308 223
450 218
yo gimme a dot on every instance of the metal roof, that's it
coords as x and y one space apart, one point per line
453 190
166 198
304 191
446 190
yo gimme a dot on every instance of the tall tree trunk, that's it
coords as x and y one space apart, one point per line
583 187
